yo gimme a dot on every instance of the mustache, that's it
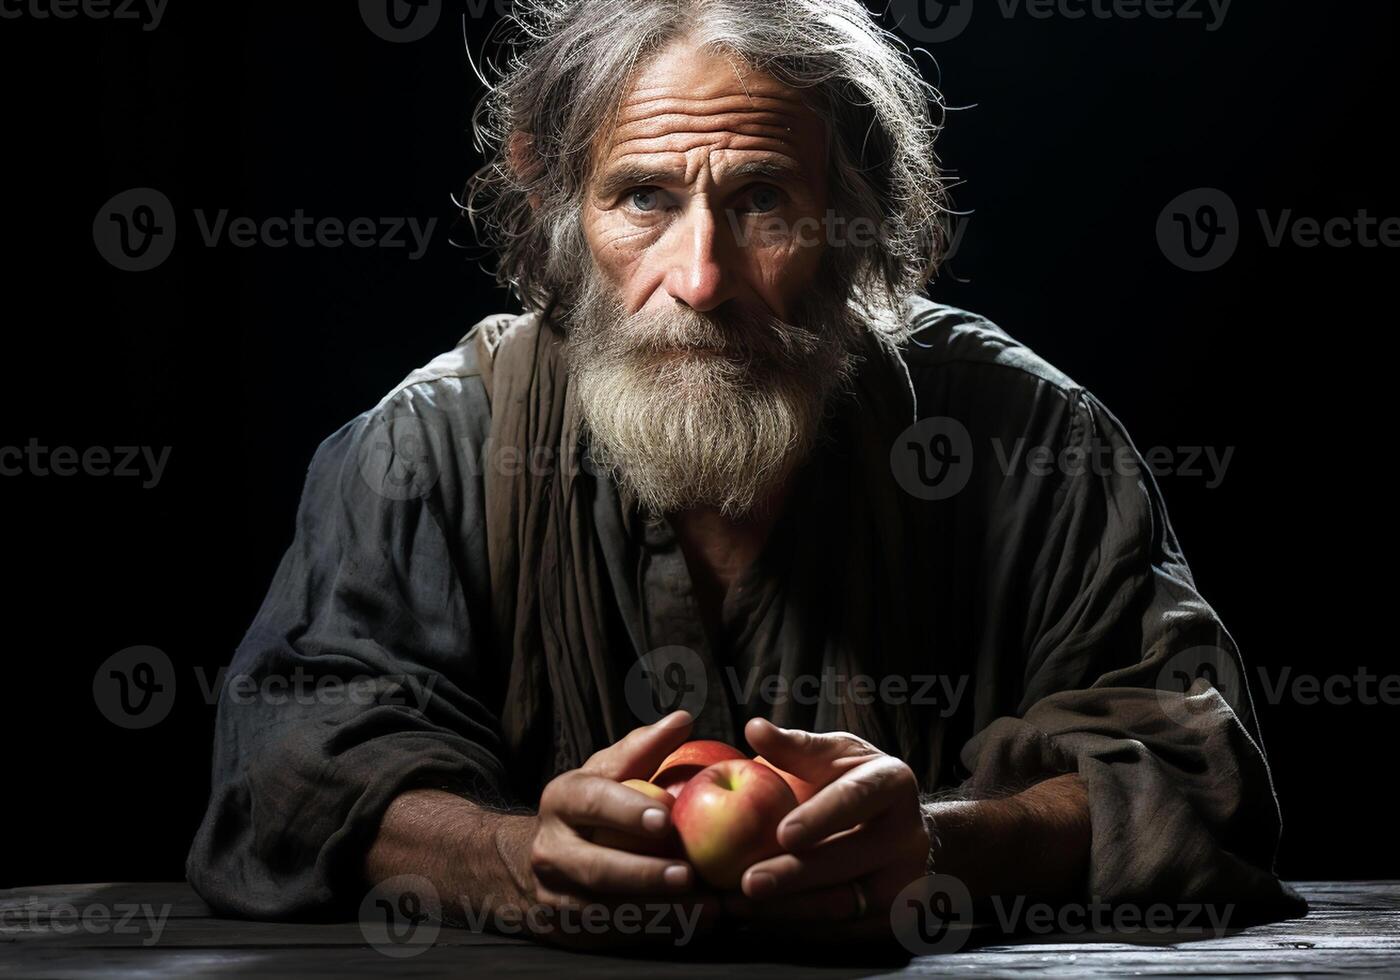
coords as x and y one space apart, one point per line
730 331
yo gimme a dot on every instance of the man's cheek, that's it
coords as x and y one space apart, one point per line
788 271
780 233
618 248
613 238
623 259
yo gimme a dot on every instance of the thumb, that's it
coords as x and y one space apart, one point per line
817 758
637 754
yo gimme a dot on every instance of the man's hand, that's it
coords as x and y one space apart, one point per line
542 871
862 838
566 863
852 847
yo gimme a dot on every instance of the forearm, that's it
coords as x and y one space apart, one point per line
470 854
1033 843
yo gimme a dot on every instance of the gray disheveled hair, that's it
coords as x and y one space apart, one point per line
569 62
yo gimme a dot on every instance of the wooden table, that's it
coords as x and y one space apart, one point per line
164 930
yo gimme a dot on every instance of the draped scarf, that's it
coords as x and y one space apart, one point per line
843 602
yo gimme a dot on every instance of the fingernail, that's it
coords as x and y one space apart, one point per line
675 719
654 819
790 834
760 884
677 876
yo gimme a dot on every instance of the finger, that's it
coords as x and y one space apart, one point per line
569 866
817 758
870 789
843 858
706 900
582 800
637 754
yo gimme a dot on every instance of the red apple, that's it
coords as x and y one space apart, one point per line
727 817
801 789
688 760
637 843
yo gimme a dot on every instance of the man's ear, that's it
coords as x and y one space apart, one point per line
523 162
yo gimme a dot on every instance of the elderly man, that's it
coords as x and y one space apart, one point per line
728 424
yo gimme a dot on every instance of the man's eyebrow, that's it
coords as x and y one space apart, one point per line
781 171
617 179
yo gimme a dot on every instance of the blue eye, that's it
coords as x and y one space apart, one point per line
645 200
764 198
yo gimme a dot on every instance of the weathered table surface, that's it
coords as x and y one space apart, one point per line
164 930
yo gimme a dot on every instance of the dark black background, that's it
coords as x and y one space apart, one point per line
1075 135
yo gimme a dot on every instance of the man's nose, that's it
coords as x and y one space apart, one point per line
701 268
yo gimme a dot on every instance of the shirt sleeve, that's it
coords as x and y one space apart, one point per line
1131 680
362 674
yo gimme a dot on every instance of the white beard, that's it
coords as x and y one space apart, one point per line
689 409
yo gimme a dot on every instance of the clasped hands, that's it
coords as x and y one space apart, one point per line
848 851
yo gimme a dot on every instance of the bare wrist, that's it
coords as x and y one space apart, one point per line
477 859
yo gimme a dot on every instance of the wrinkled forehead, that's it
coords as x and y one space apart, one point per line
688 98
